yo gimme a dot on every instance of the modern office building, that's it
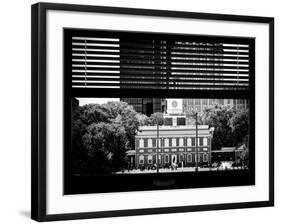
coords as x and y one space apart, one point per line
146 106
199 105
163 74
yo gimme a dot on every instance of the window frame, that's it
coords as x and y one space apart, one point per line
39 105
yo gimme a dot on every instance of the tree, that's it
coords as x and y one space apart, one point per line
239 124
94 113
126 117
231 126
245 157
143 119
156 118
107 145
218 116
101 135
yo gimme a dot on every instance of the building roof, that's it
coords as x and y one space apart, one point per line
131 152
172 131
228 149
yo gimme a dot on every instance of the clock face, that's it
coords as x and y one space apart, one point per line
174 104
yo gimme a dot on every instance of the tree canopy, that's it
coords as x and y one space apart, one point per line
101 135
230 126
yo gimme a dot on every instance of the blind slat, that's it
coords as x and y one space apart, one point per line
145 45
161 77
175 60
89 63
143 60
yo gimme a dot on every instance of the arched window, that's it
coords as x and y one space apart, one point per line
181 158
141 159
149 159
166 158
189 158
205 157
159 159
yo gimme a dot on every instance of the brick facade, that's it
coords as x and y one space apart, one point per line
176 144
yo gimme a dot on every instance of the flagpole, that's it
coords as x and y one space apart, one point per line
196 141
157 148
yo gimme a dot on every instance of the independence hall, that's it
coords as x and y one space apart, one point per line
175 145
176 142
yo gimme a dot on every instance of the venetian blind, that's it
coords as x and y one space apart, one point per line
150 61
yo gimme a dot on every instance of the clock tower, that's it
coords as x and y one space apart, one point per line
175 112
174 106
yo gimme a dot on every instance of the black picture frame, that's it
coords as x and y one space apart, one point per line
39 110
77 184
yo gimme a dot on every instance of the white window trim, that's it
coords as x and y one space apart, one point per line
159 159
189 142
181 142
148 158
166 158
149 142
181 158
141 159
189 155
205 141
166 143
159 142
205 155
141 143
174 142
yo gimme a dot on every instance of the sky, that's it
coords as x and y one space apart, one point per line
83 101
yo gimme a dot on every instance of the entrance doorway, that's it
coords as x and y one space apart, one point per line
174 159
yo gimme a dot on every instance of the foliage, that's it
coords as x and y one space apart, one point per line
106 144
245 157
239 124
156 118
101 135
230 126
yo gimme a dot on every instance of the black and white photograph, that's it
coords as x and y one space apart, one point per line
142 111
127 135
143 106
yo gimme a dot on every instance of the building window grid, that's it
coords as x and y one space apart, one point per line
149 159
205 157
181 142
174 142
189 158
141 143
189 142
168 142
141 159
149 142
145 143
166 158
205 141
